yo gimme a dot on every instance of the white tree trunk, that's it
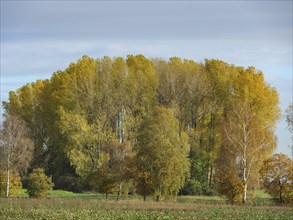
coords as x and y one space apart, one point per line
244 183
7 182
245 193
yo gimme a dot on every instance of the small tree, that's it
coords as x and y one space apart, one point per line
15 148
162 155
120 154
39 184
14 183
226 178
103 180
142 177
277 177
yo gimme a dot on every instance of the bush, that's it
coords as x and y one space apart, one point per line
68 183
39 184
14 183
232 188
192 187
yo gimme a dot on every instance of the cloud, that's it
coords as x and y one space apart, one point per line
144 20
33 57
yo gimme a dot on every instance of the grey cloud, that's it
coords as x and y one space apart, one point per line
140 20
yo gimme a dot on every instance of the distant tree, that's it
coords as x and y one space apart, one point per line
163 149
289 119
138 170
39 184
110 176
277 177
15 148
120 154
103 180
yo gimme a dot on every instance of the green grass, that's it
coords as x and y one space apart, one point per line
79 208
54 193
70 195
262 194
262 198
202 199
68 205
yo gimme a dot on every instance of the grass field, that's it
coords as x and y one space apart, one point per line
68 205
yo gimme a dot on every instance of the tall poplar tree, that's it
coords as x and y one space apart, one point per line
164 150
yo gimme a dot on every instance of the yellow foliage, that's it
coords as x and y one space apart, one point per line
14 184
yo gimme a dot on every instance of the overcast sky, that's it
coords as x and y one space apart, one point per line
39 38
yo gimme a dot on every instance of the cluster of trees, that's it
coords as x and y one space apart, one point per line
150 126
16 151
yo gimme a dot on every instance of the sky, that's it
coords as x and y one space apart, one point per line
41 37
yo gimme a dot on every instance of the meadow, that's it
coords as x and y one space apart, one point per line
68 205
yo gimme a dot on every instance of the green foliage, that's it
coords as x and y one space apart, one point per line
61 194
103 181
84 142
164 152
69 182
14 185
39 184
192 187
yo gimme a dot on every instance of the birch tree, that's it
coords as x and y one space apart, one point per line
15 147
249 139
248 128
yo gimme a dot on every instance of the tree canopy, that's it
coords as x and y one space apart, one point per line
188 118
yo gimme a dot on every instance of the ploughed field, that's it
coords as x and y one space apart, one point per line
66 205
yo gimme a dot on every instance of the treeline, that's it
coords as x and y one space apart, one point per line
150 126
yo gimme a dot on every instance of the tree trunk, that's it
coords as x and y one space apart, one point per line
245 168
245 193
280 194
119 191
159 195
144 197
7 182
244 184
210 175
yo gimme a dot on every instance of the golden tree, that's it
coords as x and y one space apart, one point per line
277 177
